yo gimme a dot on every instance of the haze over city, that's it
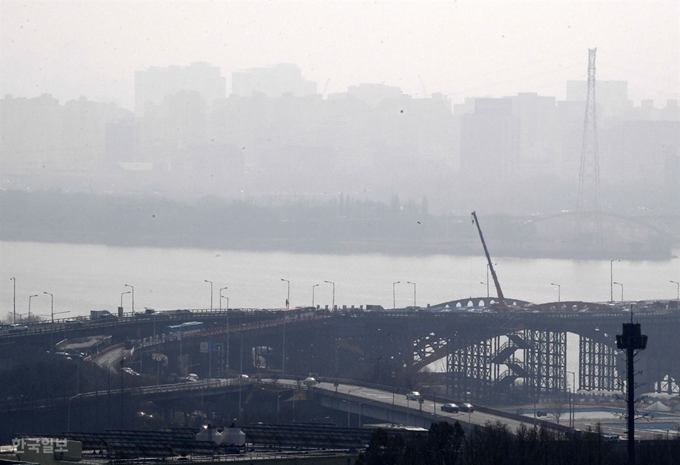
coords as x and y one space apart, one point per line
382 115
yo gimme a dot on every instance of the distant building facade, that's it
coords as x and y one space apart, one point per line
154 84
272 81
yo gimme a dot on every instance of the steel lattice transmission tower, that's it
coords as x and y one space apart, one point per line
588 226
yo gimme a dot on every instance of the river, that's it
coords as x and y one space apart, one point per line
87 277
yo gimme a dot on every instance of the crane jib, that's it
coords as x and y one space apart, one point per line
501 298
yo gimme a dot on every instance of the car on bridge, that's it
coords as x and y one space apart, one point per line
413 395
452 408
466 407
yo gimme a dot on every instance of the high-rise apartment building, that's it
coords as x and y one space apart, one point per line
153 85
272 81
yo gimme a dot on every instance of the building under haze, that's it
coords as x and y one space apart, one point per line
489 140
272 81
154 84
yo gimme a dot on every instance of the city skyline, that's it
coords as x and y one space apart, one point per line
462 49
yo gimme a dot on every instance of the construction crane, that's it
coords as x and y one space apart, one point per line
501 298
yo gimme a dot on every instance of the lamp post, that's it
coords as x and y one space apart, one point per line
68 421
559 292
315 285
414 292
29 304
619 284
611 279
14 301
349 391
678 286
211 293
240 378
283 357
571 399
487 288
287 295
394 294
333 304
121 297
132 289
51 304
221 289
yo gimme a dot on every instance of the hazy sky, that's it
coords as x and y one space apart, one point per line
462 48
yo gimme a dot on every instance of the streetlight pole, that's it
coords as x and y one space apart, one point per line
68 421
572 420
227 323
678 286
121 297
621 290
349 391
333 305
487 288
288 295
283 351
559 296
51 304
14 302
394 294
132 289
315 285
414 292
29 304
221 289
211 293
611 279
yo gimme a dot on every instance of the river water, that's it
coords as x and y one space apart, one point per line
86 277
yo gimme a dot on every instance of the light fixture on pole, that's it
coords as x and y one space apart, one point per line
619 284
221 289
287 295
678 286
572 420
394 294
315 285
611 279
559 294
132 289
333 304
121 297
14 301
283 350
211 293
414 292
487 287
68 421
51 304
29 304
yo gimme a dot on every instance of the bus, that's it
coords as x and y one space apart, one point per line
190 327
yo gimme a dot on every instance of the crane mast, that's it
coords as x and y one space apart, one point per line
501 298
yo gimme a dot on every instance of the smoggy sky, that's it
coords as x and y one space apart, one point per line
462 48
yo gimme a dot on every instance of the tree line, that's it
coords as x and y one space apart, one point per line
494 444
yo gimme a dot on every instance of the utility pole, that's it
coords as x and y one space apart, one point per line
632 341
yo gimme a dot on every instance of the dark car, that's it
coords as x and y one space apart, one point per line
466 407
453 408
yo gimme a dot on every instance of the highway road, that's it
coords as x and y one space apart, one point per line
366 395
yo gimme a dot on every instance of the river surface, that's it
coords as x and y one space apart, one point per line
87 277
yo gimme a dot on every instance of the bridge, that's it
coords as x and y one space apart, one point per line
490 356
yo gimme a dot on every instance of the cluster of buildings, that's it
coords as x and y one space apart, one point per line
277 132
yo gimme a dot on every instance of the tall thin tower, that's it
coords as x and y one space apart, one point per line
588 226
